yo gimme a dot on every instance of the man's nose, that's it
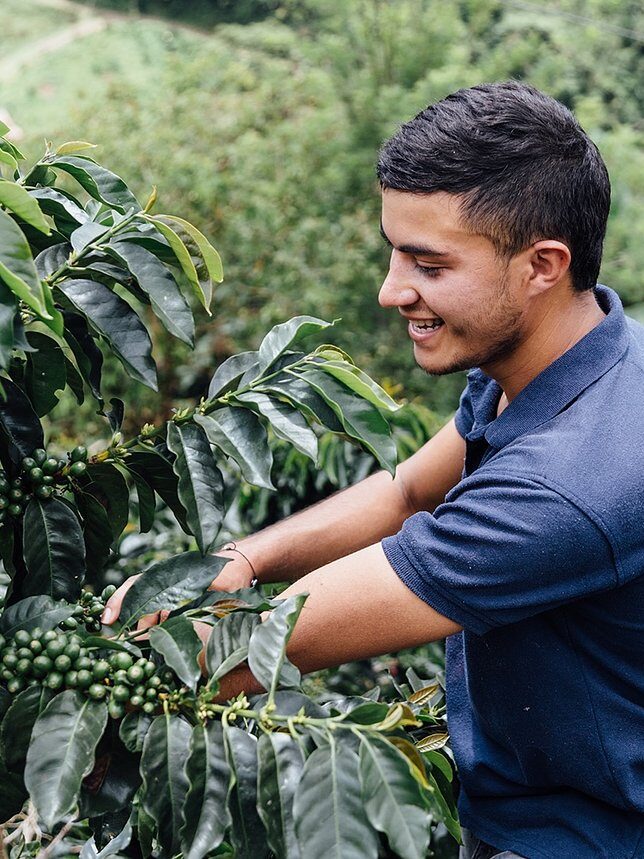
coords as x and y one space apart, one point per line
396 290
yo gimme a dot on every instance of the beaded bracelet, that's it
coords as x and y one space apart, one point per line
232 547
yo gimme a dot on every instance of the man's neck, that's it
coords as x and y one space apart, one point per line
559 326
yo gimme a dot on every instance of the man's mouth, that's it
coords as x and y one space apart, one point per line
422 325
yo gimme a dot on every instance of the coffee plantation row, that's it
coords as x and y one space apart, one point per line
110 743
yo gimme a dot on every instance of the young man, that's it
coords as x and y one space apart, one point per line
516 532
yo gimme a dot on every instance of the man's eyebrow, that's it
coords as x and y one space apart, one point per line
413 250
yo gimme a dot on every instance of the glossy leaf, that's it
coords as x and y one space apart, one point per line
146 502
280 766
13 793
17 267
97 532
182 256
281 337
239 434
287 422
56 203
52 258
155 468
205 813
156 281
61 753
101 184
195 244
87 354
86 234
109 488
113 782
228 643
15 198
74 146
248 834
8 309
433 741
53 549
134 728
45 373
8 160
267 650
201 486
229 372
359 382
208 253
392 798
330 820
169 584
179 645
165 784
361 420
31 612
113 318
18 723
299 394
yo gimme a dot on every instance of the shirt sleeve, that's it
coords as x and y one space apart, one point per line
464 417
501 549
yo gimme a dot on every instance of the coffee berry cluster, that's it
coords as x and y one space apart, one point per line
40 474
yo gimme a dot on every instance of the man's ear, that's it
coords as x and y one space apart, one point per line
548 264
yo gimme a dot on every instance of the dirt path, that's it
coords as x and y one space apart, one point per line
89 22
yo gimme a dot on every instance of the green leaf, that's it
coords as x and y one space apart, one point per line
229 372
392 798
101 184
169 584
109 488
17 267
302 397
156 281
13 793
203 290
227 645
114 781
61 753
287 422
280 770
8 308
330 820
31 612
87 354
114 319
267 650
442 808
179 645
165 783
134 729
146 502
156 469
53 549
74 146
239 434
18 723
248 834
97 532
46 372
184 259
283 336
15 198
361 420
201 486
205 813
368 713
87 233
438 760
8 159
208 253
58 204
19 421
359 382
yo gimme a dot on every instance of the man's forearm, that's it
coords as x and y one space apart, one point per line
337 526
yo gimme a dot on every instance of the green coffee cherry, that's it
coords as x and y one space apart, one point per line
22 638
28 463
71 679
39 455
97 691
63 663
4 484
36 474
4 502
84 679
149 707
121 660
24 653
48 480
79 454
54 680
137 701
16 684
50 465
120 694
77 468
14 509
101 669
43 492
56 647
42 665
107 592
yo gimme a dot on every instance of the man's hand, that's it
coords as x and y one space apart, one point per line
235 575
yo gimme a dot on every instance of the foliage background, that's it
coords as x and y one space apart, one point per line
261 121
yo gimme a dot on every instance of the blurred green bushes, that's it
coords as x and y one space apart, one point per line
266 135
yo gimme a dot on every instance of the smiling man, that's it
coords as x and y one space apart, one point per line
516 532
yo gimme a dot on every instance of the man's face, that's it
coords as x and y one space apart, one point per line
465 307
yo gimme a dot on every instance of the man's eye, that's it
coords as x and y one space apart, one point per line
429 271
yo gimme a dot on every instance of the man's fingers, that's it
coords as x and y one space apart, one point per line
113 605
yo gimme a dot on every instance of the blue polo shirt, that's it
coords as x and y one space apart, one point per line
538 553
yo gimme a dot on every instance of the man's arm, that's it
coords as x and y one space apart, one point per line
357 516
357 607
349 520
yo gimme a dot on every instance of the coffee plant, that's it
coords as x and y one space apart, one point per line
116 745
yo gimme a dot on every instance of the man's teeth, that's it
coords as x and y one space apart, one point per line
424 326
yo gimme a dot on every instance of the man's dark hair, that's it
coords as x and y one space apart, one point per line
525 167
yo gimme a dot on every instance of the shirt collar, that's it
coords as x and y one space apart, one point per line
556 386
